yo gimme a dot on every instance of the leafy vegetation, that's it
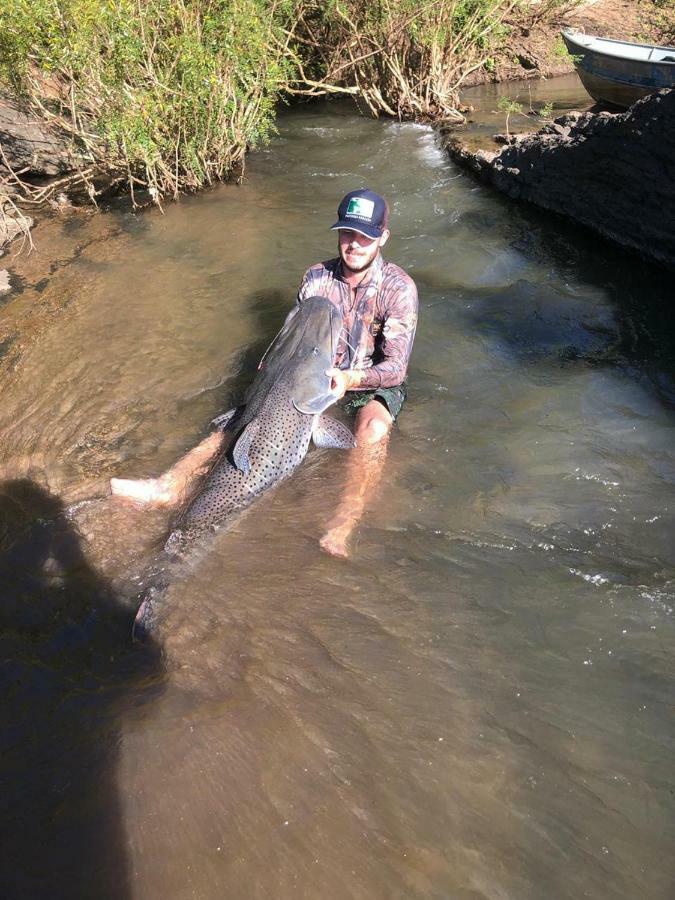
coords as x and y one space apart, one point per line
405 58
165 94
543 10
168 95
659 22
510 108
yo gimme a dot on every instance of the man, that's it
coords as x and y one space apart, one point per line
378 302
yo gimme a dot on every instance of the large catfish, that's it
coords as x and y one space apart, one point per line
282 411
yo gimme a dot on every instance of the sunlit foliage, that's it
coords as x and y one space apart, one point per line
168 95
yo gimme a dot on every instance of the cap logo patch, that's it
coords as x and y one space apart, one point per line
360 208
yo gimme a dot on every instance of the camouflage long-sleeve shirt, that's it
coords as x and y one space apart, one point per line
379 321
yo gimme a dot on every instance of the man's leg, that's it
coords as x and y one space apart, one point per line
371 430
176 484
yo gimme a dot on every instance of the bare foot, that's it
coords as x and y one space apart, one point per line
335 541
145 491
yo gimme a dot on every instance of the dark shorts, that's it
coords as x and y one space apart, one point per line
392 398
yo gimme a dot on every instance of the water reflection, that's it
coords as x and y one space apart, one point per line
485 119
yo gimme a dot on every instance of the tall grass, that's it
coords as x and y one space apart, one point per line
168 95
406 58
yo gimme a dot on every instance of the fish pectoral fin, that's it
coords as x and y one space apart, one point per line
328 432
316 405
243 445
222 421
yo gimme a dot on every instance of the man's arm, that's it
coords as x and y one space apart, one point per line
316 282
398 336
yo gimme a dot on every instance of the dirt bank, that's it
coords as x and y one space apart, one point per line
533 48
612 173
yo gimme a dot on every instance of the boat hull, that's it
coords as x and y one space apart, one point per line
618 80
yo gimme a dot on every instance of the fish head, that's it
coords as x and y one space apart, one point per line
319 326
307 341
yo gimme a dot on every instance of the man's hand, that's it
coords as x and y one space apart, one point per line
343 380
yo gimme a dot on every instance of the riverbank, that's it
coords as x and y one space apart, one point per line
608 172
611 173
57 166
92 102
534 48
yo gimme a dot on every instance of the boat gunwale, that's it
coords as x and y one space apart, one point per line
569 34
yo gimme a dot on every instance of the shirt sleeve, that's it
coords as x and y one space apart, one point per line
398 332
305 289
318 281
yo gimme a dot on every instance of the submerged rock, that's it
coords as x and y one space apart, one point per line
613 173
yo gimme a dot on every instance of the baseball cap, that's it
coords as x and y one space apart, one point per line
363 211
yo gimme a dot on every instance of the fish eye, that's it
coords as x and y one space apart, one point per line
315 351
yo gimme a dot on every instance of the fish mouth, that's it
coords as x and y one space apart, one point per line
316 405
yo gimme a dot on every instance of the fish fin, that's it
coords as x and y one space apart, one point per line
316 405
243 445
145 617
222 421
328 432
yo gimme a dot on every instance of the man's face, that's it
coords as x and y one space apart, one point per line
357 251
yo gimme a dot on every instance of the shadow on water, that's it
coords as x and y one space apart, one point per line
632 328
67 665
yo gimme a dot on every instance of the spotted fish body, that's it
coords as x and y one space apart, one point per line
280 444
282 412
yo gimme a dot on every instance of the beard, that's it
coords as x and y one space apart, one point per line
358 267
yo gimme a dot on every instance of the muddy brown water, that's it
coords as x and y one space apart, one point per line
479 703
531 102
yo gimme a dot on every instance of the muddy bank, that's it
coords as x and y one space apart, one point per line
33 150
31 146
533 48
613 173
58 173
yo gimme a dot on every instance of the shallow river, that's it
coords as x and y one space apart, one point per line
479 702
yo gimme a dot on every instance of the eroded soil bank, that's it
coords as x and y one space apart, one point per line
534 48
613 173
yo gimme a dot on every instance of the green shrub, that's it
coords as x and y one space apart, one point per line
406 58
168 94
